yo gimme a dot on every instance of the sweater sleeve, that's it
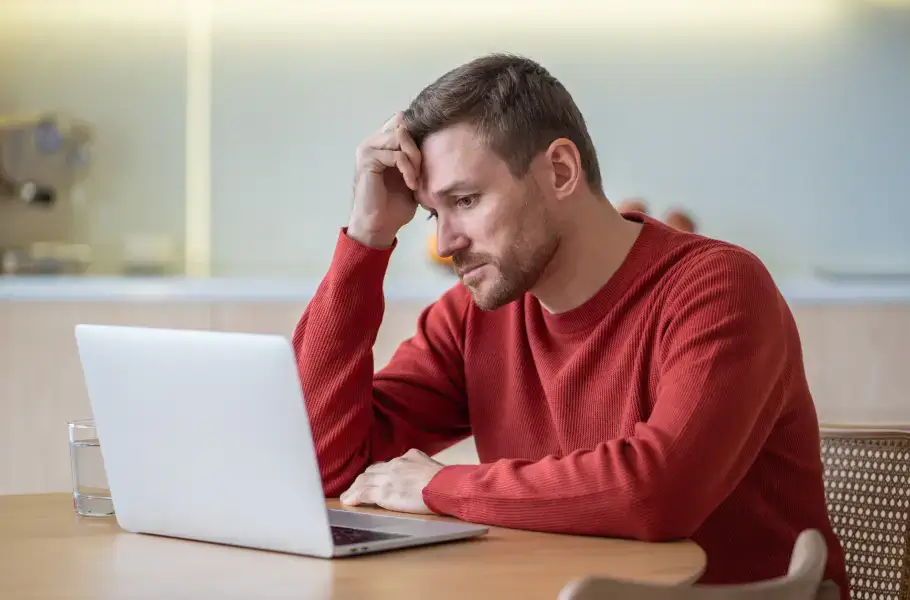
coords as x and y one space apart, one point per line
723 357
357 416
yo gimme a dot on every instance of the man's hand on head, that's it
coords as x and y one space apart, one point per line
395 485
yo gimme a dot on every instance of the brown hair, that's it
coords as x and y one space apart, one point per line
515 104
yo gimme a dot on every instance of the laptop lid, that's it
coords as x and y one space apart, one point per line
205 436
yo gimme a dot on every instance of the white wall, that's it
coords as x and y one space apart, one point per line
795 145
792 140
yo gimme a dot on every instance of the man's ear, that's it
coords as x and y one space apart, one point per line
564 163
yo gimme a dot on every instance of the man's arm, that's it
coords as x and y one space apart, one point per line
416 401
723 366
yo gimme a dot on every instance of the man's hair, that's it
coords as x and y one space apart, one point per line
516 106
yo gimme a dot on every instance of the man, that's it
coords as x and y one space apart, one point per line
621 378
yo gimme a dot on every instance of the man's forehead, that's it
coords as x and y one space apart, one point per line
453 156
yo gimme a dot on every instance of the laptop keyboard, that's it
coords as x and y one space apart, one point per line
343 536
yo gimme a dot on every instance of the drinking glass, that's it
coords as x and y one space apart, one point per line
91 495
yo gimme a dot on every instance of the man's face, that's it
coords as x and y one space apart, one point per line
498 230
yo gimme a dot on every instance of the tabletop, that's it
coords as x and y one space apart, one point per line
48 551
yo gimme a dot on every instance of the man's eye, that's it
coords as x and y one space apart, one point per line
431 216
466 201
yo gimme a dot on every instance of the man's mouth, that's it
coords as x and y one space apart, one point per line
463 272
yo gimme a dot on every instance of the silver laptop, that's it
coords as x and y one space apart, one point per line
205 436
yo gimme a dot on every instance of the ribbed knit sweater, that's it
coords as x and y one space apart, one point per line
672 404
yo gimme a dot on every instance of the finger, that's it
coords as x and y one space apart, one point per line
351 495
393 121
408 172
409 147
366 494
385 140
354 488
378 160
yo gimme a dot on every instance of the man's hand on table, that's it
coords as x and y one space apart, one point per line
395 485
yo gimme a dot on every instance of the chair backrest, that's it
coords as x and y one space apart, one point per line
867 485
801 582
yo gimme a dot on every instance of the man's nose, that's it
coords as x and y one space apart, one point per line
449 240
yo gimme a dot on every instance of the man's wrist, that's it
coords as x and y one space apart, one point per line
370 237
444 495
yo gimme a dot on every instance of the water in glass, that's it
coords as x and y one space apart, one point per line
91 496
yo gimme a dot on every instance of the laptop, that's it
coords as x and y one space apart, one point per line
205 436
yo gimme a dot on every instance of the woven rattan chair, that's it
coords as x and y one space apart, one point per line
867 484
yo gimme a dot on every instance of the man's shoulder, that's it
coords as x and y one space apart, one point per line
718 255
720 277
697 260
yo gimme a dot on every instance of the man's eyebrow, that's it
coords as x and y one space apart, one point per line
447 191
452 187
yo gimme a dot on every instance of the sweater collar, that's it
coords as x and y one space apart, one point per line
649 243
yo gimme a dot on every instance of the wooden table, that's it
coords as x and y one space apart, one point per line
47 551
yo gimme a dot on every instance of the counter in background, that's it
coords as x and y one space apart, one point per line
797 290
856 344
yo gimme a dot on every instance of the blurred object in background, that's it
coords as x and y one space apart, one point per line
43 161
676 217
680 219
634 204
41 158
150 254
45 258
434 253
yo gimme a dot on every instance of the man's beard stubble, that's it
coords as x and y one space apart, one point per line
520 267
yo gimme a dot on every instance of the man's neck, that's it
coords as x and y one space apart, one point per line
589 254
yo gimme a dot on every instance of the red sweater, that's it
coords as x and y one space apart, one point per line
672 404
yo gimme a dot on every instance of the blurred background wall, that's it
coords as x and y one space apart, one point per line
782 126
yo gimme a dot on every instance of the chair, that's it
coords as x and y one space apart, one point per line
802 582
867 485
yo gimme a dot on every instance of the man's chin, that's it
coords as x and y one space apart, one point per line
489 299
486 306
